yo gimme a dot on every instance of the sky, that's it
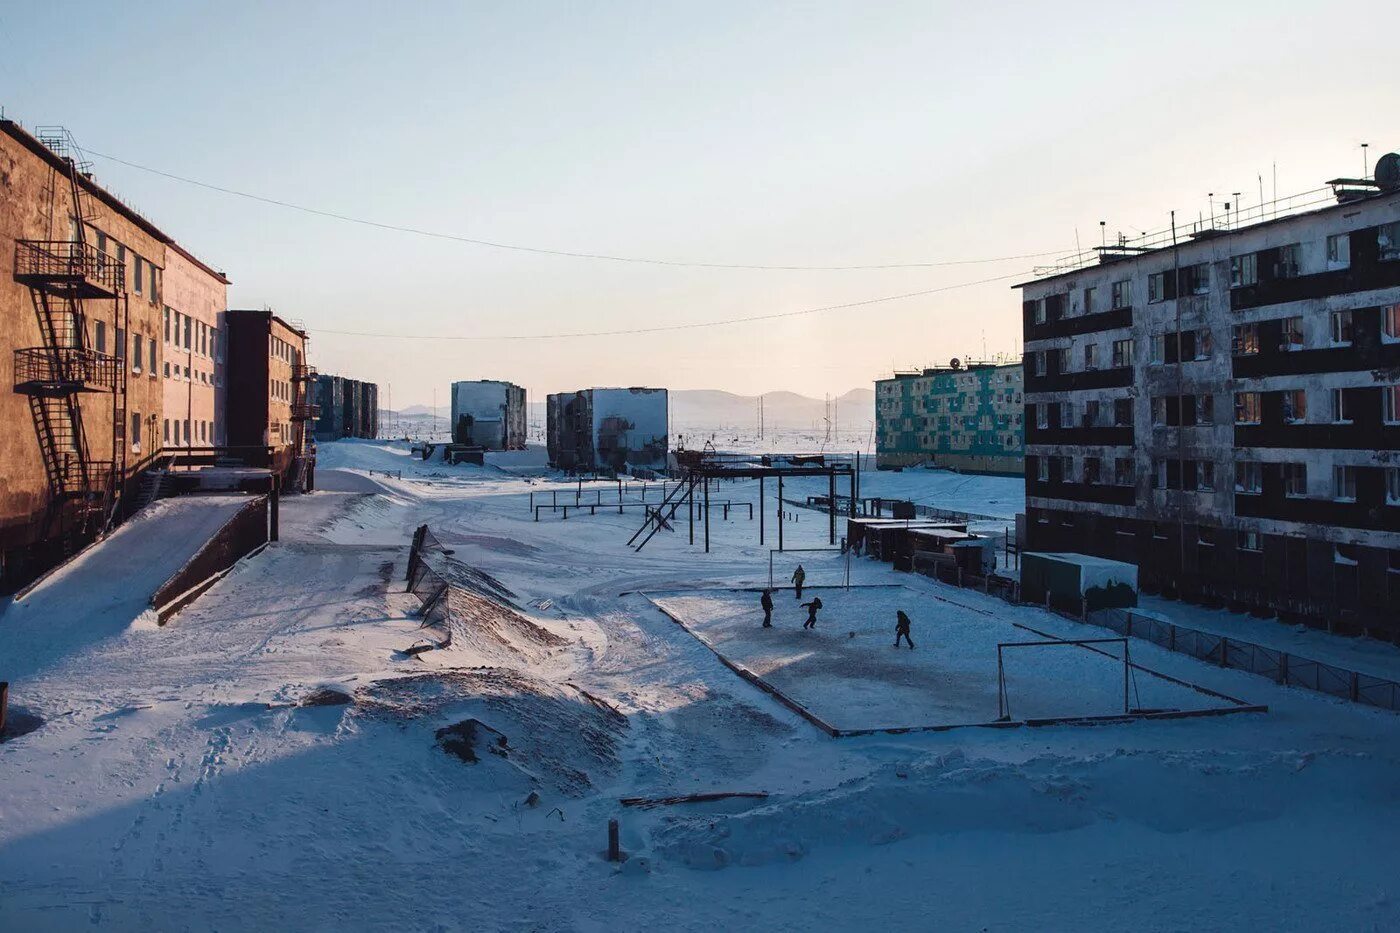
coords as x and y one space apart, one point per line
775 134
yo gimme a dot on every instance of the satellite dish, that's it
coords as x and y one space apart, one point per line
1388 171
955 363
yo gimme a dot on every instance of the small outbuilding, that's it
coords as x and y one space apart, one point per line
1078 582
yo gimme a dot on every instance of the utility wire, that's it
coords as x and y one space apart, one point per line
572 254
672 327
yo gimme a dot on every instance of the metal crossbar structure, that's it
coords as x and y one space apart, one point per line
1004 702
701 468
1282 667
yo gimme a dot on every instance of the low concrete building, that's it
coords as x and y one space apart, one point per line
608 429
488 413
958 417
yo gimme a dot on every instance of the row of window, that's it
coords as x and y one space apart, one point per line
1341 331
1120 356
141 274
1286 262
202 430
1340 410
1193 409
283 350
1199 475
192 335
143 350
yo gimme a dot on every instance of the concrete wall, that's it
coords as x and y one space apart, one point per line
608 429
494 414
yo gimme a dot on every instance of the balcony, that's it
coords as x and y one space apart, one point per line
303 372
305 411
55 371
80 479
63 267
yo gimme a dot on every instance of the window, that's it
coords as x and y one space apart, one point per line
1245 340
1066 414
1124 471
1196 279
137 277
100 336
1156 287
1122 411
1122 294
1388 239
1344 483
1042 415
1067 469
167 370
1390 404
1341 407
1158 348
1249 541
1246 408
1291 337
120 344
1295 406
1244 270
1390 322
1247 477
1090 300
1392 485
1295 479
151 356
1287 265
1205 409
1166 474
167 325
1122 353
153 282
1091 413
1159 410
1042 469
1038 361
1341 327
1339 250
189 325
136 353
1061 358
1205 475
136 430
1204 345
1089 361
1091 471
165 434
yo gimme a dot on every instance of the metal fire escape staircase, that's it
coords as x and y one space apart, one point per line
662 516
304 411
62 277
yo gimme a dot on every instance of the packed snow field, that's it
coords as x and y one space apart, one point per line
187 777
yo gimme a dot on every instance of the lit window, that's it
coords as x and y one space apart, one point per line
1244 270
1344 483
1245 340
1339 250
1246 408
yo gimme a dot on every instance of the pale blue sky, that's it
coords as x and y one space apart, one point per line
815 133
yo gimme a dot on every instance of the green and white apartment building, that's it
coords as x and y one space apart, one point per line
967 418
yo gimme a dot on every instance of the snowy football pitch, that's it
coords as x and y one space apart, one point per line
847 673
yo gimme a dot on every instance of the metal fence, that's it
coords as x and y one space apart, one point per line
1281 667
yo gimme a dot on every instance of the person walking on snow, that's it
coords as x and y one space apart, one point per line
812 608
901 629
766 601
799 576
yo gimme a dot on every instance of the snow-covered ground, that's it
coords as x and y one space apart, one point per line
177 783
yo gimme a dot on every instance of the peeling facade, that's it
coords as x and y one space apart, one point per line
608 429
964 418
1225 413
488 413
347 408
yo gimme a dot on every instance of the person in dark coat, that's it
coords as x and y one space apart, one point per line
812 608
901 629
766 601
799 576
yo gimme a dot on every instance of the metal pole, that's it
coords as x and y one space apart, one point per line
780 511
831 506
707 515
272 510
690 506
760 517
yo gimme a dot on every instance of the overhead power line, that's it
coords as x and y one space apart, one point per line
671 327
572 254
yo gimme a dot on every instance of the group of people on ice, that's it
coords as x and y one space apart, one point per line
799 577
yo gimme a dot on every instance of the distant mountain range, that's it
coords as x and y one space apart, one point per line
715 408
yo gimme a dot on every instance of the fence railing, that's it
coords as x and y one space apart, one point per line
1282 667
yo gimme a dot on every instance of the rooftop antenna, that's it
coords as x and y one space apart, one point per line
1103 233
1365 163
1236 196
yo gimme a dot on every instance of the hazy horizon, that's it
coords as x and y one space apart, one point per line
777 135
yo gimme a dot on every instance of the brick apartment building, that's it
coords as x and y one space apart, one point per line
111 342
958 417
1222 407
271 383
193 371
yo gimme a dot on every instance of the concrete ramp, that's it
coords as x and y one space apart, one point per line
101 592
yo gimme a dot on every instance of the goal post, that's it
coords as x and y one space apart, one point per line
1087 644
